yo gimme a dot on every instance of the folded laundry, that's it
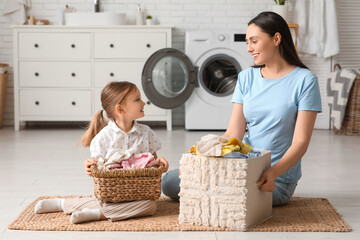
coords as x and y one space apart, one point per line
213 145
113 158
141 160
235 154
235 144
254 153
127 160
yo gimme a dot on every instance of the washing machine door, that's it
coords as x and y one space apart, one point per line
168 78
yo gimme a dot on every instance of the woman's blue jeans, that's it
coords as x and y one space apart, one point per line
170 186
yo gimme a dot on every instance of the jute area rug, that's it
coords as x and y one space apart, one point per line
299 215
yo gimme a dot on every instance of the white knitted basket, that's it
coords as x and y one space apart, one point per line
222 192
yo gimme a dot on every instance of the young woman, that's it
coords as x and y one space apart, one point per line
277 100
112 129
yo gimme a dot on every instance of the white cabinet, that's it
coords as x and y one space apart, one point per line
59 71
128 45
55 104
55 74
40 45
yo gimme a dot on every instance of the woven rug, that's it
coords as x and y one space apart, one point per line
299 215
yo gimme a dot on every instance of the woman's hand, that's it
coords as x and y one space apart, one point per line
163 161
267 181
87 164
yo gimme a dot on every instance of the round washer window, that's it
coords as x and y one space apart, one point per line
218 74
170 76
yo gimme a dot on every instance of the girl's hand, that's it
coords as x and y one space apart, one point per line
87 164
163 161
267 181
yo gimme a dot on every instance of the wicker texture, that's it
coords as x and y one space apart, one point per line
351 122
127 185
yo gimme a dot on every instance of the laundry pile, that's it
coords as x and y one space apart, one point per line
218 146
126 160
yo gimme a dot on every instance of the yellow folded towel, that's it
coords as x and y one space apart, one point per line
233 144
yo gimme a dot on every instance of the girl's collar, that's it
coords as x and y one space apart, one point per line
116 129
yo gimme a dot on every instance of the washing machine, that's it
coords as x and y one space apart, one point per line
204 77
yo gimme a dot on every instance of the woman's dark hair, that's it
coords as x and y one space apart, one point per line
271 23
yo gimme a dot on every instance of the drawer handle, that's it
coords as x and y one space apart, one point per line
73 103
148 102
36 45
37 103
73 45
73 74
111 74
36 74
111 45
148 45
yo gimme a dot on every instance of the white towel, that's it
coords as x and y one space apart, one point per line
318 33
211 145
15 10
113 158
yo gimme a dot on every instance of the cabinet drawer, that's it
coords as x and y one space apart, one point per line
54 45
127 45
105 72
62 103
55 74
149 109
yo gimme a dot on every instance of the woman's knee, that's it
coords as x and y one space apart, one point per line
170 184
279 199
283 192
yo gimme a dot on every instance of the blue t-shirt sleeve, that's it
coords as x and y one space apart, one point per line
242 86
237 96
309 98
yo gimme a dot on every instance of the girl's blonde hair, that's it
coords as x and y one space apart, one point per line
114 93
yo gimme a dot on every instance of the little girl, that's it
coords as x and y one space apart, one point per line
112 129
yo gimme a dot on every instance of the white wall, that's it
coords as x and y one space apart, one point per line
185 15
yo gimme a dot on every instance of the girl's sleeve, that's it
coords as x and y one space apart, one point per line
154 142
98 147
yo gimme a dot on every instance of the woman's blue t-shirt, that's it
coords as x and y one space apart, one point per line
270 108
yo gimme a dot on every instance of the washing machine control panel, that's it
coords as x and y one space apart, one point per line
239 37
221 37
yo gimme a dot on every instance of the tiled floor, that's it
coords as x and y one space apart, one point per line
37 162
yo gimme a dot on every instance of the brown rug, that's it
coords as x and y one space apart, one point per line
300 215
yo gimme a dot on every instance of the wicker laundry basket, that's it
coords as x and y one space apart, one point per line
351 122
127 185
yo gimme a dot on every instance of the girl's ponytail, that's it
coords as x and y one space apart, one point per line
97 123
114 93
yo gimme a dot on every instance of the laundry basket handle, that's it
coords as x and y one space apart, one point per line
337 66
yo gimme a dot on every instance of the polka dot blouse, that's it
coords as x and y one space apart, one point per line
111 138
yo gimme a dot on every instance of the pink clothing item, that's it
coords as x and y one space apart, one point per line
141 160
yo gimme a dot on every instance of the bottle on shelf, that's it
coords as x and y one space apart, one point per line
139 16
